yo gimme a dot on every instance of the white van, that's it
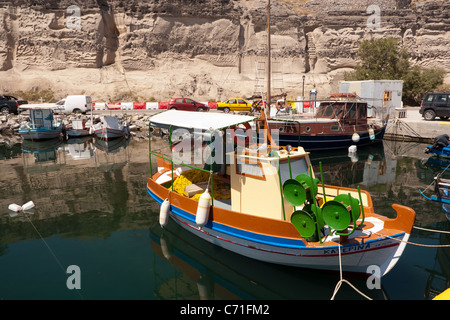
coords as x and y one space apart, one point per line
74 104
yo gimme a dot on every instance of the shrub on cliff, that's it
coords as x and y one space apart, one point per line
35 95
384 59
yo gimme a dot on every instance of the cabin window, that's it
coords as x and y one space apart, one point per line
298 166
308 129
325 111
250 169
338 111
351 114
334 128
362 111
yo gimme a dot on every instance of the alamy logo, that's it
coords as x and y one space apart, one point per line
74 280
74 17
374 20
373 282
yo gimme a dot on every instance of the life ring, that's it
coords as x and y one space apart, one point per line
237 140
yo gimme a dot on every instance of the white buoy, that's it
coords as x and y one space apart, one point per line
352 149
164 213
28 205
355 137
15 207
204 204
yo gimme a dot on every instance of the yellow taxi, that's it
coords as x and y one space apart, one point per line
234 104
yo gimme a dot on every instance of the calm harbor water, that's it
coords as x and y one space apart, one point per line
93 212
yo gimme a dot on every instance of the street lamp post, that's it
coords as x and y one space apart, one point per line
303 93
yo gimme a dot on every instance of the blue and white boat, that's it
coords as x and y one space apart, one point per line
442 193
42 125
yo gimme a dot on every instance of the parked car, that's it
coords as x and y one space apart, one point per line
10 104
186 104
74 104
436 104
234 104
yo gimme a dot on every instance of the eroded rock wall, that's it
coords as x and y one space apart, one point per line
206 49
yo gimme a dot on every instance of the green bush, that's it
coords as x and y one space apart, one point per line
384 59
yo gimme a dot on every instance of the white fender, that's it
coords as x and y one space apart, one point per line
355 137
164 213
204 204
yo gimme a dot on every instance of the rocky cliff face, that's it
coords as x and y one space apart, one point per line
116 49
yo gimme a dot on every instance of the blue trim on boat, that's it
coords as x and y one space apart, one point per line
256 237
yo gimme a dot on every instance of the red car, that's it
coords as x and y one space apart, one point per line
187 105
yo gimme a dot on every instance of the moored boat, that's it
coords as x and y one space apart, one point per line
42 125
338 123
78 129
110 128
266 203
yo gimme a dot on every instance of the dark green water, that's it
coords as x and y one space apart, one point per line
93 211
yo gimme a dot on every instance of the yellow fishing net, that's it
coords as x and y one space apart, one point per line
220 189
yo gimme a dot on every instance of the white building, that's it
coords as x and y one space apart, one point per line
382 96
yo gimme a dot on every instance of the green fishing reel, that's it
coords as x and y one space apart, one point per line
298 190
294 192
340 212
308 222
302 191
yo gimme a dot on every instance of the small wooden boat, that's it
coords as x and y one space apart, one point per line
78 129
41 126
266 203
110 128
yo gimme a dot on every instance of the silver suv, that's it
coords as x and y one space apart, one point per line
436 104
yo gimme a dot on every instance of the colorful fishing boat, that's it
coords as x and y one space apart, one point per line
266 202
42 125
78 129
440 147
110 128
339 122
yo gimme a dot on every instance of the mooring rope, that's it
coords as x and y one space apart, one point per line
342 280
431 230
51 251
415 244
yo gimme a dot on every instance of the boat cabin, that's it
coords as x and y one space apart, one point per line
41 119
348 112
247 175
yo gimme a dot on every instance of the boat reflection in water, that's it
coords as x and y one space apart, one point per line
111 154
43 151
366 166
80 148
